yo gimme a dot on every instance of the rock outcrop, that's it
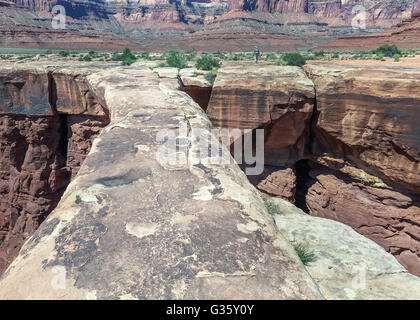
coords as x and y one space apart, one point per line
366 131
133 226
346 266
277 99
355 159
47 124
203 25
404 35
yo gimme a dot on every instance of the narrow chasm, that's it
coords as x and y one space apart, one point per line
39 157
201 95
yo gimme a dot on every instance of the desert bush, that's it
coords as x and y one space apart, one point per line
397 58
319 54
211 76
207 62
387 50
293 59
335 55
269 56
190 54
85 58
176 59
49 51
64 54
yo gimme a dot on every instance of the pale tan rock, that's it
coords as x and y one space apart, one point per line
348 266
129 225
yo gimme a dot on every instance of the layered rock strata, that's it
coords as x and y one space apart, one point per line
361 140
48 121
131 226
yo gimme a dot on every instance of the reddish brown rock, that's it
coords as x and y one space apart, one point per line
377 211
277 99
366 134
41 150
276 182
369 115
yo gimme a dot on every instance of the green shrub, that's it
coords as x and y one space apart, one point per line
319 54
397 58
145 55
176 59
127 61
127 55
190 55
304 253
271 207
335 55
293 59
211 76
207 62
269 56
49 51
86 58
64 54
388 51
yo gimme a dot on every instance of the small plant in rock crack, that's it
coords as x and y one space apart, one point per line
211 76
304 253
271 207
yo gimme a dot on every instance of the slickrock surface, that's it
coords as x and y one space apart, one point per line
48 120
128 227
347 265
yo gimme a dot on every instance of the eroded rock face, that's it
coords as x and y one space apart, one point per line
132 227
279 100
363 138
366 131
42 148
369 115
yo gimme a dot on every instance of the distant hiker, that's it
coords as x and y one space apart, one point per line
256 54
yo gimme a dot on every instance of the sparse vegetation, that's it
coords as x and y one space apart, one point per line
388 51
64 54
271 207
292 59
1 242
175 59
211 76
304 253
208 63
127 58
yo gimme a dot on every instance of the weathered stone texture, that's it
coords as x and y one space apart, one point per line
129 226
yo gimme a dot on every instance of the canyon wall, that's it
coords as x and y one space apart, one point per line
349 153
134 226
131 14
48 121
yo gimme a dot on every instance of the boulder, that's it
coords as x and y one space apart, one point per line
346 265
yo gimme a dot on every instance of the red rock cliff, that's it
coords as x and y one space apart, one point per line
47 124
